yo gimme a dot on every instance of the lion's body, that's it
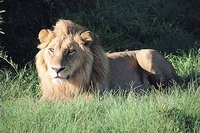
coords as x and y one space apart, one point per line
139 68
125 73
72 62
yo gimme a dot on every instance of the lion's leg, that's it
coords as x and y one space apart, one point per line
145 84
145 80
160 71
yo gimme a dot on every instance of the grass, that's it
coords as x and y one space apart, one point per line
178 111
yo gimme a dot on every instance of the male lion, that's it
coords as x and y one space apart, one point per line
72 62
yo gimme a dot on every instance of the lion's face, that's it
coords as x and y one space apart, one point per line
70 61
62 57
64 53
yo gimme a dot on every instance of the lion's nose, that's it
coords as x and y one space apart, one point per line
57 70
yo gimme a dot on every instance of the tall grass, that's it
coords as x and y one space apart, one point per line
177 111
15 82
187 64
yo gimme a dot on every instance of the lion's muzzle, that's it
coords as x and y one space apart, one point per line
57 70
58 73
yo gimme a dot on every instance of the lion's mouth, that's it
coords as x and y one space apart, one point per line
58 77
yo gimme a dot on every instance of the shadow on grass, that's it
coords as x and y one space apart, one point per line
184 121
193 77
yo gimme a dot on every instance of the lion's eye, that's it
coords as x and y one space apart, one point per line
51 50
71 52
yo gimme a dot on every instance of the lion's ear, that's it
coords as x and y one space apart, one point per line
44 36
87 37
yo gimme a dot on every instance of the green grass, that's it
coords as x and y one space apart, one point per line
187 65
177 111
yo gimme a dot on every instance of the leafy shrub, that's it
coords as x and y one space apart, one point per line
164 25
1 21
138 24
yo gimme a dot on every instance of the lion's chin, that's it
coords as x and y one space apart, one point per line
58 80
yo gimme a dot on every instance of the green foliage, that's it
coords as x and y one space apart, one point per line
164 25
4 57
17 83
1 19
24 20
188 65
140 24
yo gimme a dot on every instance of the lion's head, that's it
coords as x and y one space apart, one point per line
70 60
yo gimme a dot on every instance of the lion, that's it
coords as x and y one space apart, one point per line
71 62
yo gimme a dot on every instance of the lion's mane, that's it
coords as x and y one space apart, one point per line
89 76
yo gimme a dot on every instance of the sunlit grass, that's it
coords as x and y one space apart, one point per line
177 111
187 64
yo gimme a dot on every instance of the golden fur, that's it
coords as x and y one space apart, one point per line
78 51
72 62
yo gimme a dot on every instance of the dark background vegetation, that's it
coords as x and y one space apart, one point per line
165 25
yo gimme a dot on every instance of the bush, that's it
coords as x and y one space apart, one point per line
1 21
164 25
